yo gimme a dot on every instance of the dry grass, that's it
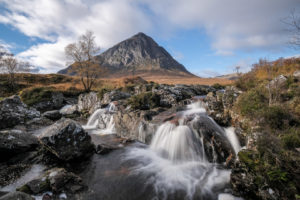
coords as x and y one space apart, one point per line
64 83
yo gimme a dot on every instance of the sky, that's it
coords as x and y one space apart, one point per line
209 37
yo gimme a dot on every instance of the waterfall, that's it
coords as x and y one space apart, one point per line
233 139
176 160
177 143
102 121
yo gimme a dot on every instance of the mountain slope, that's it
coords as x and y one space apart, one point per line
138 55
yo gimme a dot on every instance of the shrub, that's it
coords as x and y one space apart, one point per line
251 103
291 140
277 117
218 86
144 101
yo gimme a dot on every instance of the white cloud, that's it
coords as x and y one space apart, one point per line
231 24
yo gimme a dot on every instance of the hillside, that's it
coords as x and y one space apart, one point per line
138 55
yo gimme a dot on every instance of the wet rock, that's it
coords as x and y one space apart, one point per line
56 180
10 173
67 140
53 115
55 102
13 112
114 96
16 196
87 102
217 147
13 142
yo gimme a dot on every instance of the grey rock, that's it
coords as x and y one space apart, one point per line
53 114
68 110
86 102
16 196
278 81
13 112
13 142
67 140
296 74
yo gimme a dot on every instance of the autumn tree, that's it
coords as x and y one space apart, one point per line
82 54
11 65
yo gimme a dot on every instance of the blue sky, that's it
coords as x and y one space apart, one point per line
208 38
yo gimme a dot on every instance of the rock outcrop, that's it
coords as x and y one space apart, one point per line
14 112
67 140
88 102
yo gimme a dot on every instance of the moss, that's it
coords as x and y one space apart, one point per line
25 188
35 95
144 101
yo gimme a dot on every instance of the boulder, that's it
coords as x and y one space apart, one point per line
13 142
216 145
114 95
67 140
68 110
55 102
278 81
296 74
53 115
87 102
13 112
16 196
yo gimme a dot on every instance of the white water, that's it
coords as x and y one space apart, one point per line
102 121
233 139
34 172
176 161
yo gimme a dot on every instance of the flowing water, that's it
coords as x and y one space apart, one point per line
102 121
175 164
233 139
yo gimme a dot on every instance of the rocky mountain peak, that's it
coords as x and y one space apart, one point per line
139 54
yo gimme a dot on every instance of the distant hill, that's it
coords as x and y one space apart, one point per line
138 55
232 76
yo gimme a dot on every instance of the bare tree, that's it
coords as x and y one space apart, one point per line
10 65
82 53
293 23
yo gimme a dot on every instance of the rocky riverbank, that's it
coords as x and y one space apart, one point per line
54 148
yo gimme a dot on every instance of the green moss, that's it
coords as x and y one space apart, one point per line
25 188
35 95
144 101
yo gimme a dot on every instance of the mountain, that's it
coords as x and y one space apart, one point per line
232 76
138 55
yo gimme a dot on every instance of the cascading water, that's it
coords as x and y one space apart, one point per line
231 136
176 161
102 121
